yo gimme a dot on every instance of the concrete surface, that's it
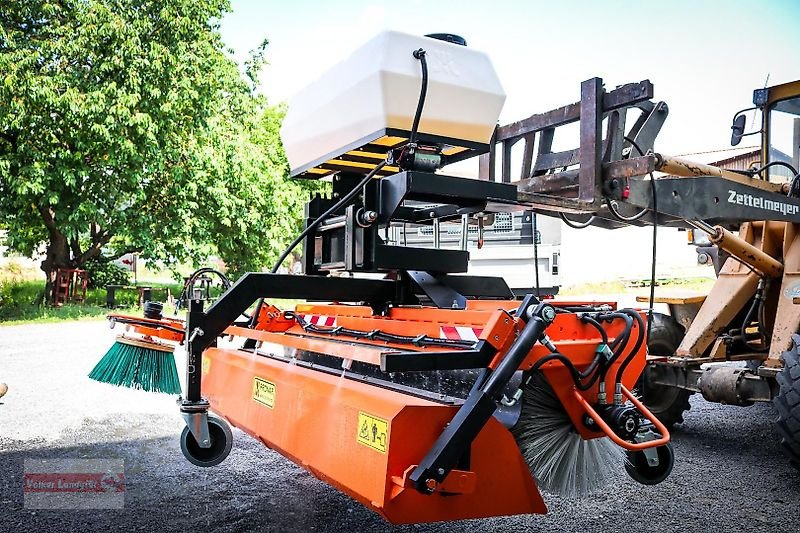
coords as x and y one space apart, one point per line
730 474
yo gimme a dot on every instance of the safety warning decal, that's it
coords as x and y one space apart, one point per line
206 365
373 432
264 392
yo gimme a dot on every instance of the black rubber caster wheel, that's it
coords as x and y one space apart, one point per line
221 444
640 470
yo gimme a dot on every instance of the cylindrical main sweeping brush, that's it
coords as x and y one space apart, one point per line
139 364
559 459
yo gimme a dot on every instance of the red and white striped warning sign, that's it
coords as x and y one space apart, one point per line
320 320
460 333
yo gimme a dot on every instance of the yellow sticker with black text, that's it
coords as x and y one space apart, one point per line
206 365
373 432
264 392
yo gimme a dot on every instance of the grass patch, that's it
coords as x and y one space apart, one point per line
20 302
693 284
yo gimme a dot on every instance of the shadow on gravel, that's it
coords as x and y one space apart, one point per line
253 490
729 476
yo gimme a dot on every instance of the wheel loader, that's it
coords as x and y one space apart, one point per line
751 314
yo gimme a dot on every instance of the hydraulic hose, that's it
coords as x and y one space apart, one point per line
639 341
423 92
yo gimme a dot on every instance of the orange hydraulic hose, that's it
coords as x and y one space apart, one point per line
632 446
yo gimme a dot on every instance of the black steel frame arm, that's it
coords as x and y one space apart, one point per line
203 327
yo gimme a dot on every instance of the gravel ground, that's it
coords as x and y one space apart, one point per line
729 475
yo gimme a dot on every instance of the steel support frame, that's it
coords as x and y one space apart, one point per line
203 327
543 180
453 445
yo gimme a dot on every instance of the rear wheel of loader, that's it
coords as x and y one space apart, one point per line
640 469
666 403
787 402
221 444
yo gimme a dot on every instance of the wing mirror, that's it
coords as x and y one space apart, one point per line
737 129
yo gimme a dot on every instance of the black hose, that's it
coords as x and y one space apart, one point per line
620 343
536 256
655 247
423 91
623 218
190 281
756 308
576 225
748 318
594 323
636 347
335 207
555 356
759 170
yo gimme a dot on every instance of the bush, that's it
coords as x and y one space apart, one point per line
15 298
103 273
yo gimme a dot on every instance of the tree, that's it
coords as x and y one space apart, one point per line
125 126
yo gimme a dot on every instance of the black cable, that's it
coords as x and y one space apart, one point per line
579 377
576 225
759 170
619 344
421 340
655 246
536 255
757 308
636 347
419 54
594 323
556 356
190 281
335 207
620 216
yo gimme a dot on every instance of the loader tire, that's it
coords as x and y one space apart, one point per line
666 403
787 402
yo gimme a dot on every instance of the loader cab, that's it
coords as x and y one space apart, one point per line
780 129
781 137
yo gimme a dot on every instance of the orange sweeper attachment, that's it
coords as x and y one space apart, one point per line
423 393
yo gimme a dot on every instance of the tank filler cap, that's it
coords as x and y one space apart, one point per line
448 37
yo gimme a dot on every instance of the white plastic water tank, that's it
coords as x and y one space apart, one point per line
373 95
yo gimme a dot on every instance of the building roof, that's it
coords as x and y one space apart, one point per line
717 157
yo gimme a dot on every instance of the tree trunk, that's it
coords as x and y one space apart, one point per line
57 255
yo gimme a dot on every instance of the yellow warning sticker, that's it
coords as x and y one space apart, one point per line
373 432
206 365
264 392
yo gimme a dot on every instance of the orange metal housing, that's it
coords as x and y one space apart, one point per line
575 339
314 420
365 439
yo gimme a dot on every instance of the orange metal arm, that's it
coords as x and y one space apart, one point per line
633 446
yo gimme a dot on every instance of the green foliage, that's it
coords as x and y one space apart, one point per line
21 301
17 298
103 273
124 126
